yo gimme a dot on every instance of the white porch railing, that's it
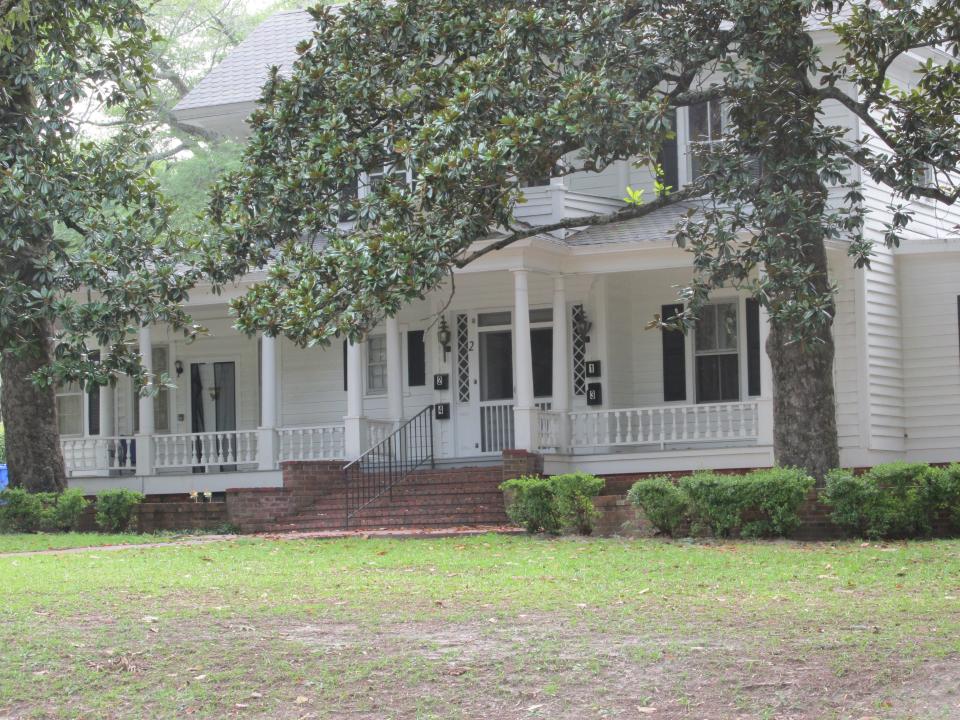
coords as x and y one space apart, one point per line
205 449
91 454
322 442
715 422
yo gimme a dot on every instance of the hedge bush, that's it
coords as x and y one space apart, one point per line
893 500
115 509
23 511
553 504
663 503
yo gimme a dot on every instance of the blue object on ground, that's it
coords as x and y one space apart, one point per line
4 479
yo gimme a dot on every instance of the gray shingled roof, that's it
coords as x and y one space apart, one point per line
241 75
657 226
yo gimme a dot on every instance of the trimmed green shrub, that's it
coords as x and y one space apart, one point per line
573 495
948 494
65 514
664 504
553 504
21 511
764 503
115 509
24 511
894 500
532 506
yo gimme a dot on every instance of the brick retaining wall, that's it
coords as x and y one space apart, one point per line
159 515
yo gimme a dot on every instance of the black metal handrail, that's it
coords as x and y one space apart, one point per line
388 463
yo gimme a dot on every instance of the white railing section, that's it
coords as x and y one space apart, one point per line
496 425
204 449
91 454
714 422
322 442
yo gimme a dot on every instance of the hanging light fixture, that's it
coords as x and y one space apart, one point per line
443 337
582 325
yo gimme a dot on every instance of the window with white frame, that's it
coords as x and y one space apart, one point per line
704 128
161 400
70 409
716 350
377 364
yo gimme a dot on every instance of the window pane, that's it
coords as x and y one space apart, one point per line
541 315
70 414
707 328
716 116
708 378
727 326
496 365
377 363
729 377
491 319
541 345
698 122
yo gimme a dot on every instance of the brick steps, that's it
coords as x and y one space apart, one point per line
428 498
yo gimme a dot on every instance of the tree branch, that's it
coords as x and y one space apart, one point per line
628 213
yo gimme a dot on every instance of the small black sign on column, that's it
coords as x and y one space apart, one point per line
594 394
441 381
441 411
592 368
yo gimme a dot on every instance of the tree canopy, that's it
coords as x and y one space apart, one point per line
474 99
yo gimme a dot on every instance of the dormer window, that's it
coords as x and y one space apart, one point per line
705 128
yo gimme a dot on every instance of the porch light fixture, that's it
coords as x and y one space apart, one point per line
582 325
443 337
178 366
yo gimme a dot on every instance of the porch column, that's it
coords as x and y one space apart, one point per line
267 433
524 413
107 430
147 426
394 371
354 430
561 357
765 404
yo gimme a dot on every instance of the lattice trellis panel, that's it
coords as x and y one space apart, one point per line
579 352
463 358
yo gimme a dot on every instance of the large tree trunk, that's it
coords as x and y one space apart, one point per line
804 403
34 458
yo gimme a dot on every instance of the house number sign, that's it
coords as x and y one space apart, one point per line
441 381
592 368
594 394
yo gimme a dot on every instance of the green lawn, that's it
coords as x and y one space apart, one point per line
483 627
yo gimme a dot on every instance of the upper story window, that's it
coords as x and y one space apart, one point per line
377 364
705 127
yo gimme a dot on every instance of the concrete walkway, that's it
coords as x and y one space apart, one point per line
400 533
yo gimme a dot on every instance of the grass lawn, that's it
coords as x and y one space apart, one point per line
483 627
59 541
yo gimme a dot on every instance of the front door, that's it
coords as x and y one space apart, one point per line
483 382
213 409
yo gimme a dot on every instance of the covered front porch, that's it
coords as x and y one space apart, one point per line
526 354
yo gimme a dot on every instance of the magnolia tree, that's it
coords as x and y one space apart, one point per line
476 97
85 256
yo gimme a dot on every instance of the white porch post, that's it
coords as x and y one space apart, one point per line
524 413
394 371
107 429
354 430
147 426
561 357
267 433
765 403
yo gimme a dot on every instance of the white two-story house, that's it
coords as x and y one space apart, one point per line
541 347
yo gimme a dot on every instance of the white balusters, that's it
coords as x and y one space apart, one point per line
323 442
661 425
